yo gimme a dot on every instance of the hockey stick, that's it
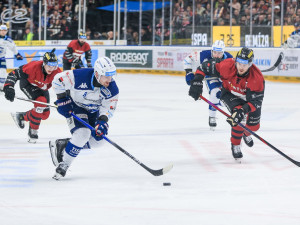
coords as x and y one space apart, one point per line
153 172
25 57
34 101
276 63
253 133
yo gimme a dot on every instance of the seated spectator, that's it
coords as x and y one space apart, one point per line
55 30
277 11
28 36
261 20
236 5
65 30
110 35
218 13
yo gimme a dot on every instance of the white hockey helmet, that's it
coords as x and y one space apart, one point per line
104 67
218 46
3 27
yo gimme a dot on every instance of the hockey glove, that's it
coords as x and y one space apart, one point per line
64 106
209 67
9 92
101 129
196 88
189 77
19 56
236 117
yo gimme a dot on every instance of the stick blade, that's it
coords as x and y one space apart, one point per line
167 168
160 171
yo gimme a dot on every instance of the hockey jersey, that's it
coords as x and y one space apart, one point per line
75 50
33 72
84 94
198 57
6 42
249 88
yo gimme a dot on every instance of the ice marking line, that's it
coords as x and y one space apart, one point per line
197 211
269 164
197 156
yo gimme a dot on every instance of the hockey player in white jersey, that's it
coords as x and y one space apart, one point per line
6 42
213 84
92 95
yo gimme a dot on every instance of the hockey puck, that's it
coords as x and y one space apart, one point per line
167 184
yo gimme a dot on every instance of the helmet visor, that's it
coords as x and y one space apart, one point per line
242 61
110 74
82 36
54 64
216 49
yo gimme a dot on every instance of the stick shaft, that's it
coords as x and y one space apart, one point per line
253 133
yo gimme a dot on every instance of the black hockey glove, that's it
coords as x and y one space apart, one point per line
236 117
196 88
209 67
9 92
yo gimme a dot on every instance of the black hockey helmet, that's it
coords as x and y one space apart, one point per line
82 35
245 56
50 58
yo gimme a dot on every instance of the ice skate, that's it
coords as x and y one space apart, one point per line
32 135
18 117
57 148
61 170
212 123
236 152
248 140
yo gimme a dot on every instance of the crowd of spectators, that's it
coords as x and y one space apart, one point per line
62 18
241 15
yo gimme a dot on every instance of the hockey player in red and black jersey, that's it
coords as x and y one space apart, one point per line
35 79
72 56
242 93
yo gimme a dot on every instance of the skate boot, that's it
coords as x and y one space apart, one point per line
212 123
18 117
57 148
32 135
248 140
236 152
61 170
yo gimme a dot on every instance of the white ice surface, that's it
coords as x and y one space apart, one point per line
158 123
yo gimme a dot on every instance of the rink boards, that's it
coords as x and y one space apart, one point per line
169 60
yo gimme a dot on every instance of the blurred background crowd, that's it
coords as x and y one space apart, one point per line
62 18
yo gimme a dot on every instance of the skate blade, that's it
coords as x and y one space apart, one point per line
238 160
32 140
212 128
57 176
53 153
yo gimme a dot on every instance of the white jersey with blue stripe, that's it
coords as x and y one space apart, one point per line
80 85
196 58
7 42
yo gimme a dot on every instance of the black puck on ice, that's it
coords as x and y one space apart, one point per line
167 184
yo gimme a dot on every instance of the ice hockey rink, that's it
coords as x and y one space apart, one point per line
158 123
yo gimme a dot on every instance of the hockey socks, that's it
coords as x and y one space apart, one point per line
72 152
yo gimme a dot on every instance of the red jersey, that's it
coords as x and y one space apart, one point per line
33 71
247 88
75 50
